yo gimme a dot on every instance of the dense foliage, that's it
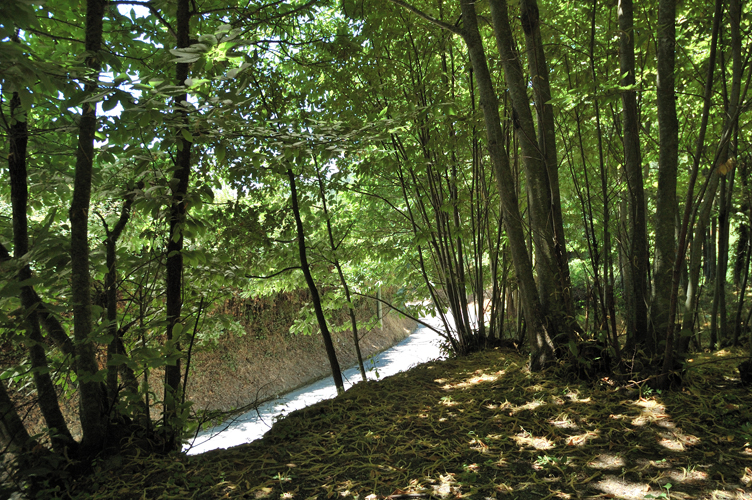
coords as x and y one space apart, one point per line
569 176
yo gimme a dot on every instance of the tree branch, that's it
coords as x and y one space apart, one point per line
443 335
272 275
441 24
50 323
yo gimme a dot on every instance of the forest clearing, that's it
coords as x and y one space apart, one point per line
570 179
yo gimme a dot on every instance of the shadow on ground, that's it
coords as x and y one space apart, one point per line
480 427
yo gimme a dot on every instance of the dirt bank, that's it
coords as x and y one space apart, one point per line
268 360
232 370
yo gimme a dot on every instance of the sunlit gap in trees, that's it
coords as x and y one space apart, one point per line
118 81
112 107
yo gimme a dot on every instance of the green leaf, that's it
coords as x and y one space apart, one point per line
220 151
110 103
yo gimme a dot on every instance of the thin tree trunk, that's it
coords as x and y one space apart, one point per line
742 294
46 393
92 399
712 248
739 323
552 276
609 320
728 152
342 280
315 298
740 255
695 262
54 329
539 73
637 317
13 434
174 266
110 284
542 349
723 244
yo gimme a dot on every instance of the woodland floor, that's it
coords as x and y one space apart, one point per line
477 427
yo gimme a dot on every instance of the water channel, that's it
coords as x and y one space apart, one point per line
421 346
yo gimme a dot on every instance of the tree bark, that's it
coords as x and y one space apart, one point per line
719 297
637 267
553 288
90 390
541 345
606 293
174 267
695 262
342 280
110 285
46 393
13 434
315 298
728 152
539 73
740 255
665 213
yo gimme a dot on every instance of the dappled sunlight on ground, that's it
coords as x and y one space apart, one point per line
726 495
575 398
512 409
583 439
747 477
479 376
563 421
607 461
616 487
673 438
651 411
524 438
687 476
452 430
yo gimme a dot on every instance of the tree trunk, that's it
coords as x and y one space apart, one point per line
742 294
745 253
13 434
695 261
110 285
727 159
91 395
46 393
723 254
637 318
606 293
553 277
541 346
539 73
711 249
174 267
740 255
342 280
665 213
315 298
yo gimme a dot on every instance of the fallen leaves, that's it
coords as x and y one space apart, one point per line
525 436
